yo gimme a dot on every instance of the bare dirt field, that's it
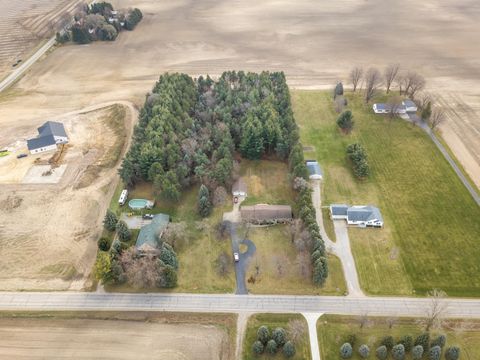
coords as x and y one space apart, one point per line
70 338
315 43
24 24
48 232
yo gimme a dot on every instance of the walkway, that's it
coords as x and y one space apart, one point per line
312 319
341 248
416 120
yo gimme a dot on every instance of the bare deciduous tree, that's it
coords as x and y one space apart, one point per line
141 272
413 83
356 76
295 330
391 321
394 104
176 235
390 74
437 117
363 320
424 100
436 310
373 79
222 263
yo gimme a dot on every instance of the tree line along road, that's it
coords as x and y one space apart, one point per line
386 306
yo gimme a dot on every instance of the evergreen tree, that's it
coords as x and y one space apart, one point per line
435 353
289 349
424 340
251 145
122 231
345 121
417 352
257 347
279 335
168 277
398 352
204 203
452 353
381 353
320 271
388 342
364 351
346 351
110 220
168 256
271 347
263 334
407 342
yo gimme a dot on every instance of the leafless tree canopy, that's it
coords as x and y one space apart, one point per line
391 72
363 320
413 83
141 272
222 264
437 117
395 102
436 310
295 330
373 79
356 76
424 100
176 235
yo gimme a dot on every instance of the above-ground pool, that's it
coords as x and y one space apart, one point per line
138 204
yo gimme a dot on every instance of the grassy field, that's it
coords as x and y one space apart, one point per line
334 329
272 321
328 224
431 233
267 182
280 266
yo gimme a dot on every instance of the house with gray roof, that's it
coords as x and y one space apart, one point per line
49 136
361 216
314 170
148 239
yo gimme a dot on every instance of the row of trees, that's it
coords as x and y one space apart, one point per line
358 155
98 21
408 82
112 223
272 342
421 347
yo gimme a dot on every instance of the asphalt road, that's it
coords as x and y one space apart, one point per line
381 306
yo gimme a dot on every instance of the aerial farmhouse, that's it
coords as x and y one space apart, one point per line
407 106
49 136
148 239
361 216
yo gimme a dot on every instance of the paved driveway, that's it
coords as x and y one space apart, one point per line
241 265
134 222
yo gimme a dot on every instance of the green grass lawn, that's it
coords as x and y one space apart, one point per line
273 321
328 224
267 182
283 270
431 233
334 329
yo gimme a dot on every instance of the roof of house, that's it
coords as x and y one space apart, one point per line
239 186
409 103
150 234
314 167
52 128
266 212
40 142
388 107
339 209
364 213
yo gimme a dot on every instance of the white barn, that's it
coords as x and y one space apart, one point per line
49 136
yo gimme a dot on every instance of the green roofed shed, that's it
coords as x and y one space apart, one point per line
149 236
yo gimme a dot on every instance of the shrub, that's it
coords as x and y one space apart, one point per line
388 342
168 256
122 231
110 221
440 340
358 156
381 352
452 353
346 351
407 342
257 347
289 349
424 340
133 18
339 89
417 352
263 334
271 347
279 335
435 353
103 244
345 121
398 352
364 351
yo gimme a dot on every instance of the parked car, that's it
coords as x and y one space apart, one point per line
147 216
236 257
19 156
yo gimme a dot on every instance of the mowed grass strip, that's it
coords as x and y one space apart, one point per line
334 329
432 232
273 321
282 269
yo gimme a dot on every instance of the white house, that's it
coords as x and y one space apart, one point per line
361 216
314 170
381 108
410 106
49 135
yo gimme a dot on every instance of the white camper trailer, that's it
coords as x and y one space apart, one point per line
123 197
